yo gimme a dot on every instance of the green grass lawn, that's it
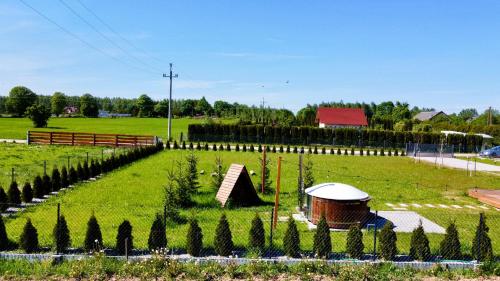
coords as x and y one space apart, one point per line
136 193
28 160
15 128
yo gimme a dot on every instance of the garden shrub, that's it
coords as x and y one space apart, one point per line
260 148
244 148
375 152
73 175
64 177
352 150
124 238
93 236
387 242
92 169
332 151
389 153
221 147
198 146
361 152
301 150
291 240
191 147
419 244
4 239
86 169
345 152
38 187
237 148
449 247
339 152
56 179
252 149
322 240
323 150
223 241
382 152
46 185
310 150
315 151
481 245
194 238
396 153
183 145
62 239
4 200
354 242
228 147
274 149
80 172
268 148
256 236
281 150
176 146
27 193
214 147
288 149
206 146
29 238
13 194
157 235
367 152
168 144
295 149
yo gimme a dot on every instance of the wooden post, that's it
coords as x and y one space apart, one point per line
277 194
263 177
50 137
72 138
94 139
116 140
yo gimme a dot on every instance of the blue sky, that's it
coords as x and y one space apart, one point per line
444 54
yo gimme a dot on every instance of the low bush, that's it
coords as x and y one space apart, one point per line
46 185
256 236
194 239
29 238
4 239
291 239
4 200
124 238
13 194
354 242
27 193
93 236
56 179
62 239
157 236
223 241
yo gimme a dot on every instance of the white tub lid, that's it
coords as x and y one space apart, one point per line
337 191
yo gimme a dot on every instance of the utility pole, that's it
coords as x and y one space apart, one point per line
170 76
277 195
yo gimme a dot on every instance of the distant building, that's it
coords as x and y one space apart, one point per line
430 115
70 110
104 114
328 117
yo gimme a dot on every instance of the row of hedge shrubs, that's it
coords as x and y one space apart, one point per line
44 185
286 149
450 247
313 135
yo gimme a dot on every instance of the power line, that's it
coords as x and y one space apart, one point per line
77 37
73 11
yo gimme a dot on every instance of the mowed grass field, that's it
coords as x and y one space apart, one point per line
136 193
16 128
28 160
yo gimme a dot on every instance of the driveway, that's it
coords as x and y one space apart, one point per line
461 164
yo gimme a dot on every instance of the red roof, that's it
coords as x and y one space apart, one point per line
341 116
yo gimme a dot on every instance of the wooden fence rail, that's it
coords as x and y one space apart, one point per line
76 138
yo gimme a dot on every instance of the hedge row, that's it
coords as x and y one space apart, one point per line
325 136
67 176
286 149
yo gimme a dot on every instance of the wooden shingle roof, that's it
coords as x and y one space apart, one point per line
238 186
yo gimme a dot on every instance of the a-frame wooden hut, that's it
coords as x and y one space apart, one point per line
238 187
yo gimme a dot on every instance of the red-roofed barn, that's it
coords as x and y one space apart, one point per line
341 117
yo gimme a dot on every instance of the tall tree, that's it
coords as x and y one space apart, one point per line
20 98
58 102
203 107
145 105
89 106
192 179
39 115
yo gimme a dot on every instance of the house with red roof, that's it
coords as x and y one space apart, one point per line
328 117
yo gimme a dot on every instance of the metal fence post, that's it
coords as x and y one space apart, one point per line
271 231
58 227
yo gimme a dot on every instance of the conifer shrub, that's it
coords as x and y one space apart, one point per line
295 150
4 200
157 236
268 148
198 146
389 153
396 152
194 238
382 152
56 179
176 146
322 241
206 147
375 152
28 241
167 145
92 169
339 152
302 150
419 244
345 152
323 150
281 150
237 148
259 149
4 239
228 147
361 152
80 172
38 187
93 236
221 147
98 168
46 184
62 239
183 145
354 242
124 238
288 149
256 236
73 175
223 241
214 147
27 193
273 149
387 242
86 169
13 194
403 152
449 248
332 151
315 150
64 177
192 176
191 146
252 148
352 150
291 240
244 148
367 152
310 150
481 245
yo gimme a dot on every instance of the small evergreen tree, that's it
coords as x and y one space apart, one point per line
221 147
450 246
244 149
4 200
322 240
194 239
315 150
86 169
29 238
338 151
181 181
80 172
387 242
295 149
46 184
345 152
171 198
61 235
259 149
223 241
256 239
56 179
64 177
352 150
206 146
361 151
367 152
124 238
481 245
191 146
176 146
92 169
375 152
264 165
291 240
274 149
72 175
192 178
237 148
183 145
308 173
354 242
4 239
382 152
13 194
214 147
218 177
281 149
38 187
389 153
228 147
93 236
419 244
157 235
252 148
27 193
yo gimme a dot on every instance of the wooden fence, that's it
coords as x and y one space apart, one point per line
76 138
